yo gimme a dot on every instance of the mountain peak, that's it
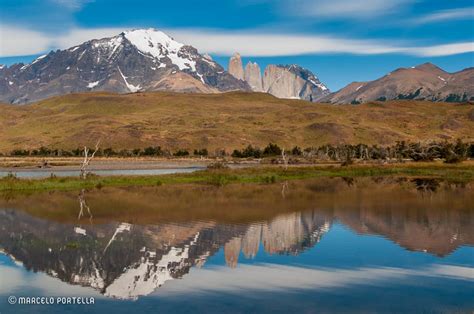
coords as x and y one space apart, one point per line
159 45
428 67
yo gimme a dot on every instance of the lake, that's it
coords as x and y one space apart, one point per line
46 173
340 245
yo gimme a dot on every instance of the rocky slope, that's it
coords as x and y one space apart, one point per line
293 81
282 81
423 82
137 60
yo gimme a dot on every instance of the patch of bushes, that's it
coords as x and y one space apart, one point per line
201 152
344 153
181 153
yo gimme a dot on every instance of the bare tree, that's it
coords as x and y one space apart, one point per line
82 205
283 156
87 160
284 189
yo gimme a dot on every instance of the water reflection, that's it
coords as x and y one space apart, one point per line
127 242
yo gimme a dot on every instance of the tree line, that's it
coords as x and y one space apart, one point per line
451 152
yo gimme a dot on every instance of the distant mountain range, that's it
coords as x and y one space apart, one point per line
149 60
423 82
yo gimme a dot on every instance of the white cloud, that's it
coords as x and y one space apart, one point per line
255 44
16 41
441 50
71 4
349 9
265 44
354 9
445 15
271 277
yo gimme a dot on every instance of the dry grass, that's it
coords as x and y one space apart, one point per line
222 121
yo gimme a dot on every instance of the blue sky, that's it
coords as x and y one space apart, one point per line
339 40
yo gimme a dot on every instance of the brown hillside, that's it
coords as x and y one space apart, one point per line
228 121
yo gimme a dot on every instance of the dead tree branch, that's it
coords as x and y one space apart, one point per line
87 160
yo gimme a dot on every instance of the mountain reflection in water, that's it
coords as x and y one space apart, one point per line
127 242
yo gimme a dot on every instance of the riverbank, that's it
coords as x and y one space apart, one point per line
463 172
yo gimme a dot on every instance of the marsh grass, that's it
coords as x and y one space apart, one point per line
261 175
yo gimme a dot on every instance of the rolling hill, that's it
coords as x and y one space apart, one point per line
223 121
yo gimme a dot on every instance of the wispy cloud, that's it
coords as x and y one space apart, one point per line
71 4
254 43
446 15
353 9
274 278
441 50
16 41
348 9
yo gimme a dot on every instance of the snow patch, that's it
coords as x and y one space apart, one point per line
38 59
160 45
210 62
79 230
74 48
93 84
359 87
81 55
201 77
144 277
121 228
115 43
131 87
10 83
319 85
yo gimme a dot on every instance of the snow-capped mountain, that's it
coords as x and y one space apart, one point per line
136 60
127 261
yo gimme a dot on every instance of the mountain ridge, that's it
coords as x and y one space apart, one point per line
132 61
143 60
426 81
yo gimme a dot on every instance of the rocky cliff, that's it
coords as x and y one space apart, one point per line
253 76
293 81
236 67
282 81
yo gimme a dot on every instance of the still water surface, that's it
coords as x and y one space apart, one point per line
45 173
326 245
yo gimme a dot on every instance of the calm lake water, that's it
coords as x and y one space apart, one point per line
45 173
380 245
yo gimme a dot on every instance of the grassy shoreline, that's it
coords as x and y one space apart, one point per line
264 174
